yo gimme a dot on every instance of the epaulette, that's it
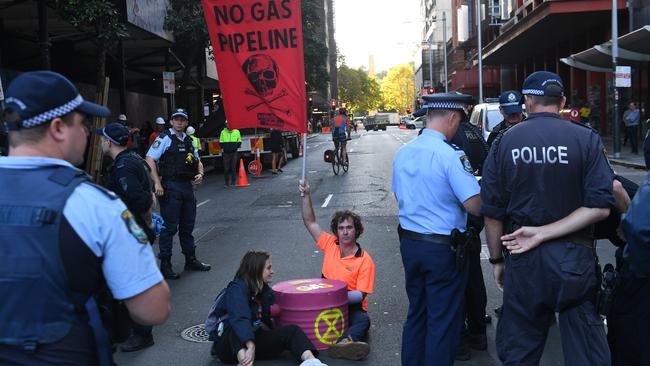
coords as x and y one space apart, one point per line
454 146
110 194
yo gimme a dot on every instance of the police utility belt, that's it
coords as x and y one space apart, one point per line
460 242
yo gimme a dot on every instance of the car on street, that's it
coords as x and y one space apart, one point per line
415 124
486 116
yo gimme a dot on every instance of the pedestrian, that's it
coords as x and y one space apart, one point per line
158 129
428 216
470 139
628 322
247 332
275 143
548 225
176 170
63 238
511 110
128 176
230 141
346 261
631 119
646 146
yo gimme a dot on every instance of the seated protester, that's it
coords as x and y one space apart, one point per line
247 332
344 261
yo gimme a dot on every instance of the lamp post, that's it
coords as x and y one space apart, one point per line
444 39
617 132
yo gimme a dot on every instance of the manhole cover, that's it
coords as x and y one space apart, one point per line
195 333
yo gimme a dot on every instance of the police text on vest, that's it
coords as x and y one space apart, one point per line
543 155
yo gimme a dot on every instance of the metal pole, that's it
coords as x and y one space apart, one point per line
617 127
444 36
430 65
480 51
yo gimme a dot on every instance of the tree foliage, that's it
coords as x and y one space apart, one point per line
98 17
397 88
356 90
315 48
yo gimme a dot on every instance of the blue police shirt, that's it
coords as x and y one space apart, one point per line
162 143
543 169
128 265
432 179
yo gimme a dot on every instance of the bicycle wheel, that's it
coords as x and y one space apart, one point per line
335 162
345 163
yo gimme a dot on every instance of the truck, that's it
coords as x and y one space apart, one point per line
253 140
380 121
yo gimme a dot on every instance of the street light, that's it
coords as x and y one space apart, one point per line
480 52
617 142
444 40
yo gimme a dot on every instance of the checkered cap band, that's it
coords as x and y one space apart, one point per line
532 92
53 113
444 105
109 138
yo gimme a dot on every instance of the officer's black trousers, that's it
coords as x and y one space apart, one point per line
475 294
629 323
554 277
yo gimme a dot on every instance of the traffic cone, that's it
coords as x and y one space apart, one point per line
242 180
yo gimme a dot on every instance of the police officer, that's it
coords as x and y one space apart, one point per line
129 177
63 238
447 190
177 172
471 141
551 266
628 321
510 108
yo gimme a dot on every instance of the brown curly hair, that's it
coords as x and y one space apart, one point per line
340 216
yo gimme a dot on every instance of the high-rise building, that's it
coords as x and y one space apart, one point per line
371 65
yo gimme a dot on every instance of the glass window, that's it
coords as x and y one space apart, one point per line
493 118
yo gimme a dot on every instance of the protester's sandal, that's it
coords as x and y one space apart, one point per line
350 350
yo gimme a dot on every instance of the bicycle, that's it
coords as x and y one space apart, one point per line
337 160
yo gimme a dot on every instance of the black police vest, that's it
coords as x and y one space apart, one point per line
36 304
468 137
178 162
636 227
126 158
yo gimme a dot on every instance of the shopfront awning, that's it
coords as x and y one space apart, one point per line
633 47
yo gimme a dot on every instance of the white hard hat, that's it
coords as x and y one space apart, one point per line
160 121
190 130
121 117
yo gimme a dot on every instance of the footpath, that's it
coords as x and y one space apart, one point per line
627 159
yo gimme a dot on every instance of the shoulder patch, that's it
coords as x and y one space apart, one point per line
466 164
155 144
134 228
109 194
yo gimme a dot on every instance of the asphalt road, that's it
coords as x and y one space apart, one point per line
266 215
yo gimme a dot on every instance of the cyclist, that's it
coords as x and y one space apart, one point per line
339 136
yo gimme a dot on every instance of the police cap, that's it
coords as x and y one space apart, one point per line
510 102
445 101
117 133
180 112
40 96
544 83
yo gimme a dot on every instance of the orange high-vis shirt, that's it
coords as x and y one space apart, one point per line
357 271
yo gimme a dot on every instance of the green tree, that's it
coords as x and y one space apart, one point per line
397 88
356 90
315 48
99 18
185 19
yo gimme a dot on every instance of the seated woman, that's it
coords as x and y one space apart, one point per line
344 261
247 331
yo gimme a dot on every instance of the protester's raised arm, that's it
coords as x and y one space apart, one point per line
308 215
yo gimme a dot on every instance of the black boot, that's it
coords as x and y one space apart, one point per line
167 270
137 342
193 264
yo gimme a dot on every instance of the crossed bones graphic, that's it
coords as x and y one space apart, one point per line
283 93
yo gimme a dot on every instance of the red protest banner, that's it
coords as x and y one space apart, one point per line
258 49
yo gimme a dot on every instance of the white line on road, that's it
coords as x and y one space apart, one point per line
327 201
351 150
206 233
203 203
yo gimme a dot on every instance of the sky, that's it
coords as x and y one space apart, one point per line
388 29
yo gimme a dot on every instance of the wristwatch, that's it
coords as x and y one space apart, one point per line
496 260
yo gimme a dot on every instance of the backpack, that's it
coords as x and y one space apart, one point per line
216 316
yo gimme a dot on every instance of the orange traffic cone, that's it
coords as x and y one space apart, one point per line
242 180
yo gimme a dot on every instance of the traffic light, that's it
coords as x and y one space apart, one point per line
310 99
408 110
431 91
333 105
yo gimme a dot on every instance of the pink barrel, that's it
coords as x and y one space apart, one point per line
318 306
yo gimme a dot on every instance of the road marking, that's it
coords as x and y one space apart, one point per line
206 233
327 200
203 203
351 150
284 206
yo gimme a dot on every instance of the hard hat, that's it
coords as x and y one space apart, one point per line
160 121
190 130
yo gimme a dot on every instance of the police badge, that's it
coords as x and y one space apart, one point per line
134 228
466 164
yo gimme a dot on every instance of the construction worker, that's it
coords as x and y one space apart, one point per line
230 141
159 127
